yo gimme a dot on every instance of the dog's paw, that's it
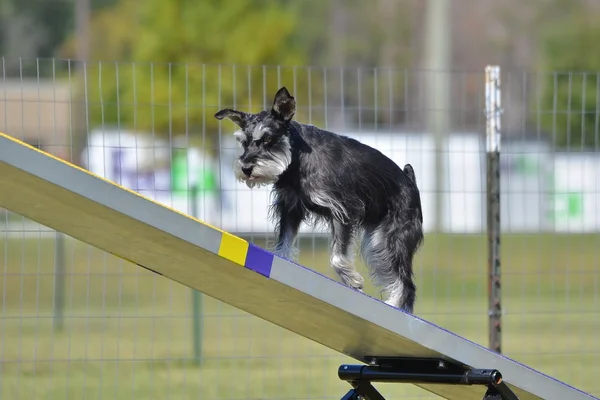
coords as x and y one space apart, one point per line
287 252
392 302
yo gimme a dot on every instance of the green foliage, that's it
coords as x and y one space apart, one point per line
176 81
182 60
372 40
570 101
97 84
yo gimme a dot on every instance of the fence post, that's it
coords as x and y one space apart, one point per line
196 295
184 183
493 111
59 281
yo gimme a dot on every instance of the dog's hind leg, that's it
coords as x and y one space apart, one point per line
340 261
388 251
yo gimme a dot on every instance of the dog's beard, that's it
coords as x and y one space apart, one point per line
267 170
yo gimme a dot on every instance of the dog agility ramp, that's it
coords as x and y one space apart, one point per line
109 217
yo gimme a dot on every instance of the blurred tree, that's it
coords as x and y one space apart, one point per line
98 85
570 101
367 47
177 82
31 29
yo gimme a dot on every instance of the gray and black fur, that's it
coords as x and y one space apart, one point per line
321 176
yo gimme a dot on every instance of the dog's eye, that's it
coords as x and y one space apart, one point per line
266 140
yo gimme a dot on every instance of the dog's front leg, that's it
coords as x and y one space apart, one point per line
287 230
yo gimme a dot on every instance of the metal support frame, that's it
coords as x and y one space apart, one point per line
419 370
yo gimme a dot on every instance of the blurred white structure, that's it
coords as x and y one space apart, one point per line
541 191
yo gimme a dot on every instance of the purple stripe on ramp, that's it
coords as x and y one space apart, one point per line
259 260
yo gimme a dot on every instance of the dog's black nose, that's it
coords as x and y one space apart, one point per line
247 170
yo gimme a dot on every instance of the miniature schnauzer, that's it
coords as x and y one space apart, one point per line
320 176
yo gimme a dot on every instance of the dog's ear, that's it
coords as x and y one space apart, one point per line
284 105
238 117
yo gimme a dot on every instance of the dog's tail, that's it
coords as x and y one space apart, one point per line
410 172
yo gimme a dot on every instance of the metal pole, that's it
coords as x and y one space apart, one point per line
196 295
82 17
81 12
82 27
437 111
59 282
493 111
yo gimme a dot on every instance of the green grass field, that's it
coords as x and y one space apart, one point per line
128 333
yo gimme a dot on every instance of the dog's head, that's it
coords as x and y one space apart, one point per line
264 138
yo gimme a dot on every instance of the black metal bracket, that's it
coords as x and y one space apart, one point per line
419 370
